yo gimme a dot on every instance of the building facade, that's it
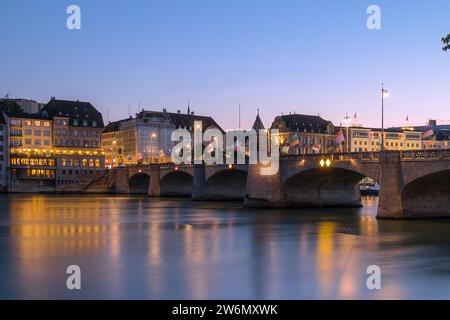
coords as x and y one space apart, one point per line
56 149
305 134
146 138
4 152
369 139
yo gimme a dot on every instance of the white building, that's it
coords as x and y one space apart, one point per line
146 138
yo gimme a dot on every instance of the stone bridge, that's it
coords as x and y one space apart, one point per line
413 183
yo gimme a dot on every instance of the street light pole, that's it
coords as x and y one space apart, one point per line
383 93
151 147
347 138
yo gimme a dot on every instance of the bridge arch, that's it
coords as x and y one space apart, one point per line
323 187
428 195
176 184
226 184
139 183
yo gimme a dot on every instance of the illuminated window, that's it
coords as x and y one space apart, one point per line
84 163
46 124
91 163
97 163
37 123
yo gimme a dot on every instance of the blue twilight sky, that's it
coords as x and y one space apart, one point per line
311 56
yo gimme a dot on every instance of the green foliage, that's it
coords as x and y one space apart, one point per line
10 106
446 42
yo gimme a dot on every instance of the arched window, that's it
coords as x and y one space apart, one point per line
63 162
91 163
97 163
84 163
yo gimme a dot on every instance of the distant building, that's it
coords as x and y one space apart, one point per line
305 134
361 139
146 138
434 136
56 149
4 151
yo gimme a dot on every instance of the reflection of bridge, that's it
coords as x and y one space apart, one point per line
413 183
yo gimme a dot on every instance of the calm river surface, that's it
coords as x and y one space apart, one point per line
139 247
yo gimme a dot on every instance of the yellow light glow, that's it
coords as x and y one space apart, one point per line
322 163
328 162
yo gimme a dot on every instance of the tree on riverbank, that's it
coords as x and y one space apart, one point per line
446 42
10 106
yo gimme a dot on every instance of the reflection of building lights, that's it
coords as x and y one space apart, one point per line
230 166
140 170
176 168
328 162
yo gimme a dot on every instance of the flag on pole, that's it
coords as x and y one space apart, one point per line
428 133
294 140
209 148
340 137
316 147
285 150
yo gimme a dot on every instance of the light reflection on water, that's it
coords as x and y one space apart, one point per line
140 247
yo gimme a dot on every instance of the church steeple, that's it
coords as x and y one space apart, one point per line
189 108
258 124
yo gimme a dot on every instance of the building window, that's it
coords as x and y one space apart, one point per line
75 133
46 142
37 123
84 163
46 124
91 163
37 132
28 123
94 123
37 142
63 162
97 163
28 132
28 142
75 122
85 123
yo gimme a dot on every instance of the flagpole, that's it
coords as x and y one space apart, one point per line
382 116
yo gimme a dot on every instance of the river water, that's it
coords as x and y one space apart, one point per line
135 247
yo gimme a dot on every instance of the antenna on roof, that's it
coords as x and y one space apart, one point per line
239 115
189 108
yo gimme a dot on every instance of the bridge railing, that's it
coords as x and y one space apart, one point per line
368 156
443 154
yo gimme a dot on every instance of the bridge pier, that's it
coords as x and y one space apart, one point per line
391 181
198 182
121 177
154 188
263 191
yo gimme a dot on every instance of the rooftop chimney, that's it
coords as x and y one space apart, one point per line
432 122
192 113
178 111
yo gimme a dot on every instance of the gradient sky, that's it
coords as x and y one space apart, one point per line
311 56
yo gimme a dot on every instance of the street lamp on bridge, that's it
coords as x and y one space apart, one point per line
384 94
